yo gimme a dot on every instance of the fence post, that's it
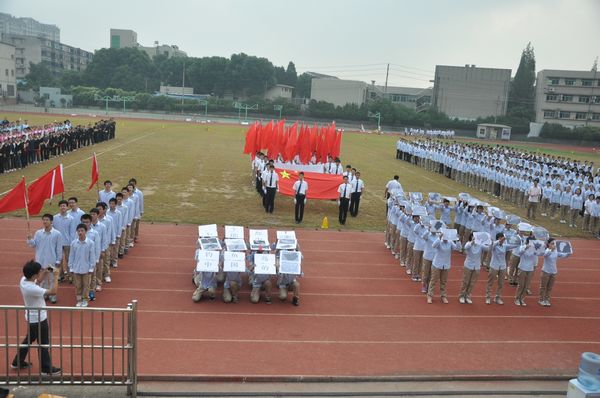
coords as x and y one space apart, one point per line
132 342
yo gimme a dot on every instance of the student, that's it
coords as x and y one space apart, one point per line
533 198
576 207
122 208
206 281
47 243
471 269
587 213
410 224
82 261
499 249
526 268
110 235
445 212
418 248
392 185
287 282
440 266
100 229
344 191
546 196
358 187
139 209
402 230
92 235
232 286
595 217
565 204
259 282
130 204
428 254
515 259
62 223
549 271
555 201
301 189
37 320
106 194
117 222
75 212
270 186
135 202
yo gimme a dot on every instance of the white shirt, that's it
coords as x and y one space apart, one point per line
335 168
303 186
33 296
393 185
270 179
358 185
345 190
106 196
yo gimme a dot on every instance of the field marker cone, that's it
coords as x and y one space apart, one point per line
325 223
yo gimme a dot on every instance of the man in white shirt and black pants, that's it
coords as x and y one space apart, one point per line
344 191
37 319
270 183
301 188
358 187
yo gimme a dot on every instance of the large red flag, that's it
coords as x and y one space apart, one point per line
320 185
95 172
251 140
335 151
45 187
15 199
304 145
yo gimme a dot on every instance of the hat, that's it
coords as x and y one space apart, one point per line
525 227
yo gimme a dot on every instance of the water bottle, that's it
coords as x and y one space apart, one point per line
589 371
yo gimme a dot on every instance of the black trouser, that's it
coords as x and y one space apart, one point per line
343 210
354 202
258 182
39 332
299 211
270 200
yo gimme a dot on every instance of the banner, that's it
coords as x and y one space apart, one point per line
45 187
320 186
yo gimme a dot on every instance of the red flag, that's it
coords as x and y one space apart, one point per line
44 188
304 145
337 146
251 140
267 134
291 148
95 172
320 185
15 199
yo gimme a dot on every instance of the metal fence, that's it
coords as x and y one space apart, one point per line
91 346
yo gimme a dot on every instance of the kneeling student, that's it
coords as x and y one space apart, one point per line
287 282
259 282
206 282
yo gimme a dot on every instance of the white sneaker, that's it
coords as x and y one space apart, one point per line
517 302
468 300
98 288
461 300
84 303
107 279
78 304
547 303
488 301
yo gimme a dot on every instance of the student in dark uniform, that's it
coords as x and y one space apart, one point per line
300 189
358 186
344 191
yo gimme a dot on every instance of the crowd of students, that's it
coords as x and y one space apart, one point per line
547 185
86 245
421 239
21 144
435 133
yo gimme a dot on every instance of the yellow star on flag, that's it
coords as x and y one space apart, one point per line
285 174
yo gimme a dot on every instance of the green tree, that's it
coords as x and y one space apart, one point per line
303 85
291 76
39 76
521 94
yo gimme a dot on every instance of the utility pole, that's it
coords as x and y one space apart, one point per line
183 87
589 112
387 74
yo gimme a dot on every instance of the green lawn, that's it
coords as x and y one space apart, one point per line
196 173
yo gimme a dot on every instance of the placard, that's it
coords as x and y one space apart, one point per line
491 210
541 233
209 230
514 239
287 244
464 196
437 225
416 196
449 234
286 235
289 262
564 247
234 232
539 247
435 197
210 243
234 262
259 238
450 199
235 245
525 227
482 238
499 214
264 264
419 210
512 219
207 261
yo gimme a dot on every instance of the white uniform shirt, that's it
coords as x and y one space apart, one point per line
300 188
33 296
345 190
358 185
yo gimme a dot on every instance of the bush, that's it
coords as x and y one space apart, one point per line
557 131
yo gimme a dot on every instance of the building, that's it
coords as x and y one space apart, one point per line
126 38
338 91
418 99
567 97
492 131
468 92
173 90
57 56
8 80
280 91
53 98
28 27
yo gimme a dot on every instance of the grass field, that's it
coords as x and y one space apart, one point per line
196 173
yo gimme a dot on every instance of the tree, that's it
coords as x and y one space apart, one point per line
39 76
303 85
522 92
291 76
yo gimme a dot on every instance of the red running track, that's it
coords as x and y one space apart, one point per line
360 315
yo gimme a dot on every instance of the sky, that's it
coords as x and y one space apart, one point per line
351 39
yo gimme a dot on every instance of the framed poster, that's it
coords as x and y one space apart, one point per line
210 244
564 247
234 262
416 196
235 245
259 238
264 264
449 234
539 247
286 234
437 225
286 244
435 197
289 262
482 238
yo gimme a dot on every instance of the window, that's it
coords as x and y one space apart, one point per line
564 115
596 116
597 99
570 82
566 98
586 82
584 99
581 116
10 90
395 98
549 114
12 72
553 81
551 97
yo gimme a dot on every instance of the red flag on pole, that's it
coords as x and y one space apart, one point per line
320 185
251 140
15 199
95 172
45 187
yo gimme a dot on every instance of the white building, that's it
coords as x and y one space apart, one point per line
173 90
28 27
8 79
126 38
53 98
468 92
567 97
338 91
280 91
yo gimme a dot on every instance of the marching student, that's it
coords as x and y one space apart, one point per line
100 228
472 267
428 255
499 249
402 231
124 218
344 191
410 245
392 185
117 224
92 235
301 189
514 260
106 194
336 167
47 243
549 271
134 206
82 260
446 212
526 268
576 206
270 186
110 236
130 204
440 266
62 223
418 249
139 210
555 201
358 187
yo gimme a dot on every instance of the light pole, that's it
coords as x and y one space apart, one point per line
278 108
377 116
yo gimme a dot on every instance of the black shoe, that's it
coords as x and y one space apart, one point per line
51 372
120 256
22 365
296 301
268 300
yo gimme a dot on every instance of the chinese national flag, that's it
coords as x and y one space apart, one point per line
320 185
44 188
95 174
14 199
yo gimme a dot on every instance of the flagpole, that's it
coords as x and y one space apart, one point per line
27 210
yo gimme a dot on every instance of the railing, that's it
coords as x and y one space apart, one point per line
92 346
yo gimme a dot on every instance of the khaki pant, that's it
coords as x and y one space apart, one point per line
255 293
106 263
493 275
417 262
545 205
64 266
595 224
586 222
402 249
532 209
470 277
136 225
546 285
231 293
426 272
574 216
114 252
396 241
553 209
389 232
283 291
82 284
513 263
438 276
409 255
564 212
123 240
524 281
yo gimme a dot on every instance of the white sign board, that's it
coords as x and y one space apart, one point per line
286 234
235 245
482 238
539 247
264 264
437 225
435 197
207 261
416 196
234 232
209 244
564 246
289 262
209 230
286 244
234 262
419 210
259 238
449 234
